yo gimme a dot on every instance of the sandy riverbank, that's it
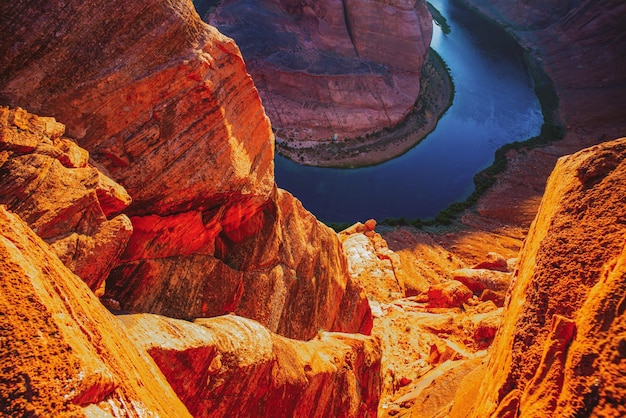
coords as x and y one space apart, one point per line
436 94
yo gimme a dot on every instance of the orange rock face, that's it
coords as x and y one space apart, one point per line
62 352
47 180
560 349
331 67
231 366
296 297
166 107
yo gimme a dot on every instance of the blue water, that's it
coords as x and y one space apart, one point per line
494 104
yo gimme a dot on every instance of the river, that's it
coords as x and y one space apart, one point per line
494 104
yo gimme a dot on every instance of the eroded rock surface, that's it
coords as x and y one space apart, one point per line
331 67
434 329
164 104
232 366
558 350
47 180
63 353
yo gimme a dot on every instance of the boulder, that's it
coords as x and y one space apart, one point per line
450 294
480 279
493 261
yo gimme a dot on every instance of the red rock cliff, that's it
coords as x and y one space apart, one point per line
164 105
561 349
345 67
231 366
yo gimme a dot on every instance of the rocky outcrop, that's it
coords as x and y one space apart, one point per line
47 180
331 68
296 292
560 349
63 353
372 263
164 105
231 366
433 334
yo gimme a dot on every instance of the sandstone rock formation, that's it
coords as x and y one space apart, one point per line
231 366
371 263
47 180
296 293
62 352
331 68
164 105
432 335
560 349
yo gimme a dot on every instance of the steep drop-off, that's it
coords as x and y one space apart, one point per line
164 106
333 68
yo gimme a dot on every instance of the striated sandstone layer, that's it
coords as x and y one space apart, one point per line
560 350
231 366
63 353
331 67
47 180
164 106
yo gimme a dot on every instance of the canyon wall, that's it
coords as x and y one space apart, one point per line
580 46
332 67
64 354
165 107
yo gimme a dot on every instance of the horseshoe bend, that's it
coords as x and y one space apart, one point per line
151 266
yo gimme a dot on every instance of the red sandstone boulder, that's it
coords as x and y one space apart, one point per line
450 294
480 279
493 261
326 68
46 179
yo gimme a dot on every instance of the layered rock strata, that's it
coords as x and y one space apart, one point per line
165 107
331 69
63 353
231 366
47 180
560 349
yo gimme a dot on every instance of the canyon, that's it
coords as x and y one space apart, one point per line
136 173
329 70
